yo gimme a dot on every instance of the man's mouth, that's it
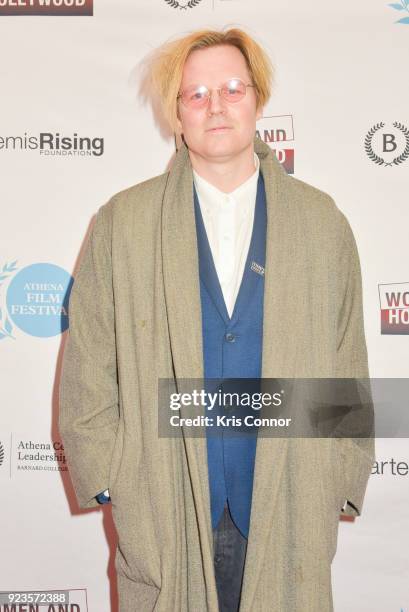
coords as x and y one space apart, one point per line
219 128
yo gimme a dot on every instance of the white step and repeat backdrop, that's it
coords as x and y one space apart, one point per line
338 119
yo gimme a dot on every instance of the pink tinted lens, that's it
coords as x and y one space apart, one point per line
195 95
233 90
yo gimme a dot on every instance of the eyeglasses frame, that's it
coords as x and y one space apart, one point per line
218 89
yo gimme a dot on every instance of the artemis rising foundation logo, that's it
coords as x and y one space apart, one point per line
49 143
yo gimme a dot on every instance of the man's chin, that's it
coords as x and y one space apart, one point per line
221 150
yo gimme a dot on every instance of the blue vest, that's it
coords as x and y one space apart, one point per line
232 348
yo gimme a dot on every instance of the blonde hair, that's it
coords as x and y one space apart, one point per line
166 66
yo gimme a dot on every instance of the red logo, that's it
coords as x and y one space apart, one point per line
278 132
394 302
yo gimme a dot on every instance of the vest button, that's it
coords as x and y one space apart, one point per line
230 337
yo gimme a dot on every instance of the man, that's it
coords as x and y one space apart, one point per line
222 267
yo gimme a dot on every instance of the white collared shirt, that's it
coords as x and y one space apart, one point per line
228 220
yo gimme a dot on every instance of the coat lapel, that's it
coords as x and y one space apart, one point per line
182 294
180 264
277 362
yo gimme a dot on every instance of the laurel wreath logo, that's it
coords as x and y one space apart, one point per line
403 6
177 5
5 323
379 160
1 453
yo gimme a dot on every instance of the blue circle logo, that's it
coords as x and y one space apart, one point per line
37 299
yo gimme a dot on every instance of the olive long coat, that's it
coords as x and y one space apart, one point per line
135 317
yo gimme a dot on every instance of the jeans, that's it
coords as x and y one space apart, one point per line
229 556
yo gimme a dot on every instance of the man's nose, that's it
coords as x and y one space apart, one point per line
215 104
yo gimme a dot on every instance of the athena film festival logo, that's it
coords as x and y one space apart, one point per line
278 132
57 8
394 303
387 145
35 301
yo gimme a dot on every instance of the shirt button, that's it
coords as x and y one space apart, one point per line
230 337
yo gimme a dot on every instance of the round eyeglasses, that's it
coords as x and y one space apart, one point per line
198 96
